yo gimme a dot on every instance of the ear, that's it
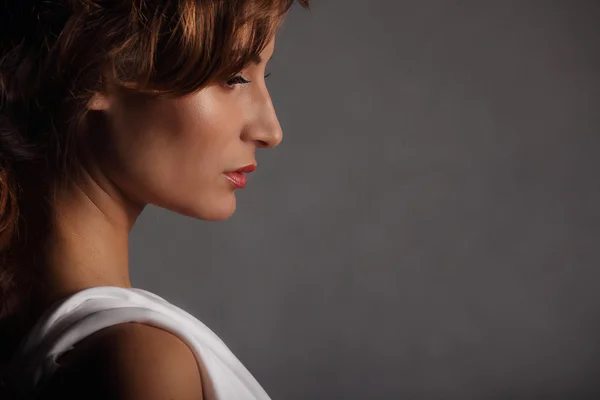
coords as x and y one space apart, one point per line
99 101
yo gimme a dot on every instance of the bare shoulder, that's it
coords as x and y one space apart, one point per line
128 361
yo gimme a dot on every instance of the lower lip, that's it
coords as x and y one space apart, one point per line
237 178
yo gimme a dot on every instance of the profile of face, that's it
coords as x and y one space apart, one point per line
174 153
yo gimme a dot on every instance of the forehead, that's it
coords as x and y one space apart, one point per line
269 48
270 45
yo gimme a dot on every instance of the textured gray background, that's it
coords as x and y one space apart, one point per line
429 228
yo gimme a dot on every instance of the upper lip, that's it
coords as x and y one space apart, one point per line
247 168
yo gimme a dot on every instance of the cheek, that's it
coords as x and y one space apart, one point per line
203 135
173 155
199 134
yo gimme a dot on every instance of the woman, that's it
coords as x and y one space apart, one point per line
107 106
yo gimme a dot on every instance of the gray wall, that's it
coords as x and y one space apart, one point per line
429 227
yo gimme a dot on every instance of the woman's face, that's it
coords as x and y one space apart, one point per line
173 153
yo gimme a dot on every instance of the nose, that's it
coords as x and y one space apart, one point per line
266 132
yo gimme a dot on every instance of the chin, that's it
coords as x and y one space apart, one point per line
217 210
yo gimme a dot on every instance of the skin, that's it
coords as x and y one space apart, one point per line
168 152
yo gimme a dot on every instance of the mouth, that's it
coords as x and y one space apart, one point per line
238 179
247 169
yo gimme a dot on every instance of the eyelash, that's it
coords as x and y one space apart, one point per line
240 80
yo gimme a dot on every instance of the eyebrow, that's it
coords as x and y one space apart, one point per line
257 59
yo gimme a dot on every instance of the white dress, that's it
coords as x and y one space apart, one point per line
85 312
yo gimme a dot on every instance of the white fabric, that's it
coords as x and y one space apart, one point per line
83 313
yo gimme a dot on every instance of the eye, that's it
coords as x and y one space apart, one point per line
238 79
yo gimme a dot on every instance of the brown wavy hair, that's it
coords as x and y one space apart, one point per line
55 54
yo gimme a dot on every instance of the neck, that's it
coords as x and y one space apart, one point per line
86 240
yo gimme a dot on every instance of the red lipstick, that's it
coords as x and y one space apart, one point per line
247 168
238 178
